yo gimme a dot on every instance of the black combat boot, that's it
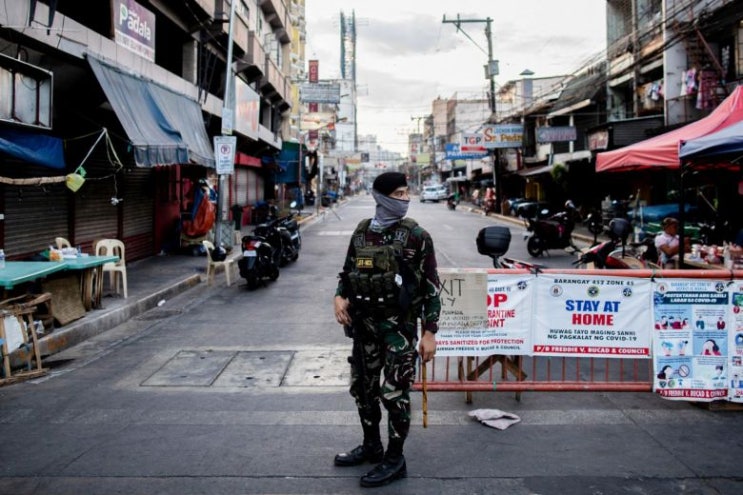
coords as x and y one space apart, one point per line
389 470
361 454
392 468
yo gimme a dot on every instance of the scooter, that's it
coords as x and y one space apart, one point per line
613 254
494 241
451 201
257 262
282 233
291 237
554 232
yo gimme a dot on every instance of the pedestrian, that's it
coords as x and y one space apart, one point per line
667 242
389 280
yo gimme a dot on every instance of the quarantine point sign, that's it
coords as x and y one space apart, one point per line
592 316
484 314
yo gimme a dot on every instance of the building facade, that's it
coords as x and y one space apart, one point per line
134 92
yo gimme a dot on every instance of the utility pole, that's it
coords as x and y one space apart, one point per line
222 235
491 70
417 165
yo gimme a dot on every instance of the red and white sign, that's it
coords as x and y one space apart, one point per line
472 143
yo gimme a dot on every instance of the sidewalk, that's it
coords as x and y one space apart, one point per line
149 281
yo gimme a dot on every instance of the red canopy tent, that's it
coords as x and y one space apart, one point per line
663 150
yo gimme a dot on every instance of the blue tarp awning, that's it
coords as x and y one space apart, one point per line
288 164
164 127
726 144
35 148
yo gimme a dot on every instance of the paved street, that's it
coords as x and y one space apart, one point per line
228 391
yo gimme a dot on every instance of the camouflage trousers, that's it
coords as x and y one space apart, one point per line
383 346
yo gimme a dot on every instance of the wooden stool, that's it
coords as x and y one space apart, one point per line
23 312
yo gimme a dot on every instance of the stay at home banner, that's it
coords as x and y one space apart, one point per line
692 329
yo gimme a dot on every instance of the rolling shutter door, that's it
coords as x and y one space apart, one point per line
139 210
95 217
34 216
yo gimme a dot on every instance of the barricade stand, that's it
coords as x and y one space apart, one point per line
559 373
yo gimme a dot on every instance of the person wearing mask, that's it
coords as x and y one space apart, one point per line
389 281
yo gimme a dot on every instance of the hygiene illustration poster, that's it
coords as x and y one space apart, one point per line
735 343
690 339
592 316
503 310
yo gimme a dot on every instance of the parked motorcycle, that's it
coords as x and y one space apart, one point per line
258 260
282 233
616 254
291 237
553 232
494 241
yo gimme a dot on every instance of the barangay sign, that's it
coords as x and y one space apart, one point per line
592 316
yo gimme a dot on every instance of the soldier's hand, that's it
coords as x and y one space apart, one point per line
427 346
341 310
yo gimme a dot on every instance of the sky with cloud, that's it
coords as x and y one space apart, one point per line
406 56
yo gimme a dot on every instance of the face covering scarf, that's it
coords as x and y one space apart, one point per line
389 211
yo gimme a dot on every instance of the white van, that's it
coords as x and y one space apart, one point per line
434 193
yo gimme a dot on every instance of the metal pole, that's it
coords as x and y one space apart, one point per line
219 236
493 109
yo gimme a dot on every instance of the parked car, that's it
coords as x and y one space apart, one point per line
433 193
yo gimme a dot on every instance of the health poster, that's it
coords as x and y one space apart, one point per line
592 316
690 339
735 343
504 322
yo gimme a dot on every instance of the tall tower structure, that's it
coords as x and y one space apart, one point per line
348 68
348 46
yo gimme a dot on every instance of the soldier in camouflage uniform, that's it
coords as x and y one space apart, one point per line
385 337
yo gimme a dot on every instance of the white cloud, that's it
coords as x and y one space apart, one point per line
406 56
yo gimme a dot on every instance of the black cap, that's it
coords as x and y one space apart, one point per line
387 182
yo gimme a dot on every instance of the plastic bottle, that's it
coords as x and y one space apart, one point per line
2 259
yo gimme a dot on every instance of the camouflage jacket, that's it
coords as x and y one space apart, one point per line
419 254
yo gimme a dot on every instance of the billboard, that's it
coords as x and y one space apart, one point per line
134 28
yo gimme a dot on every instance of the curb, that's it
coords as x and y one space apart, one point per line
64 338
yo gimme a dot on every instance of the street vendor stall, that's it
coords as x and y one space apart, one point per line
663 151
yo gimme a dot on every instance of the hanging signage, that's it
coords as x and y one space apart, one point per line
503 136
134 28
247 110
224 154
472 142
556 134
320 93
314 71
453 151
599 140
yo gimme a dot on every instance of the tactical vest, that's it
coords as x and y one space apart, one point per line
380 279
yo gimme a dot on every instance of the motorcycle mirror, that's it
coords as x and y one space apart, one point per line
293 204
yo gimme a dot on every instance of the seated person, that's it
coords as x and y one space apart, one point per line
667 242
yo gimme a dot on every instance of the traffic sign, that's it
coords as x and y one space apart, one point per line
224 154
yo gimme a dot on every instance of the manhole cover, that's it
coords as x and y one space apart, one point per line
158 314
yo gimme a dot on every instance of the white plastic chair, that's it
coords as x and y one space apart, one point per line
117 270
211 265
62 242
